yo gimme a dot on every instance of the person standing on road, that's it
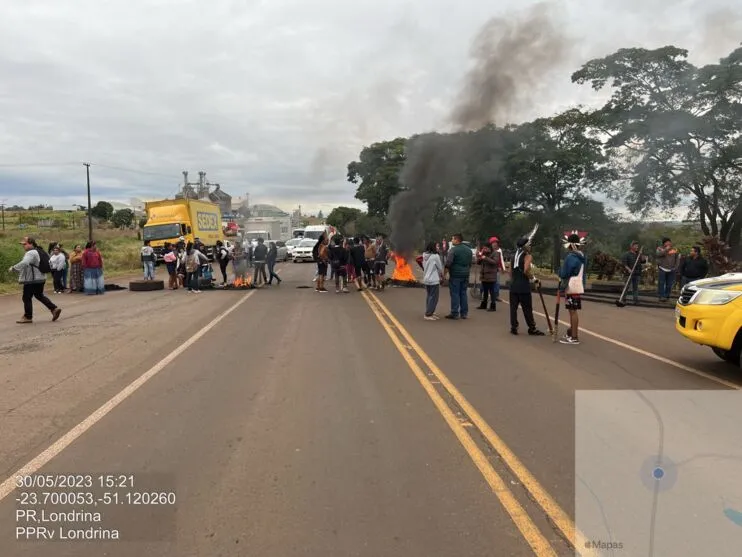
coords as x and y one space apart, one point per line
65 271
171 263
193 261
260 255
380 262
432 278
521 271
148 257
458 265
350 269
497 254
573 280
271 259
57 263
76 276
358 261
222 256
667 263
490 264
92 264
339 261
33 280
323 258
628 261
370 255
693 267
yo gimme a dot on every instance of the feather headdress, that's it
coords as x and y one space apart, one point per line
575 238
526 240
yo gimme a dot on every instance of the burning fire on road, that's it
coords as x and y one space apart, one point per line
243 283
402 271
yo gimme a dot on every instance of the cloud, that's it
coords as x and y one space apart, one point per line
273 97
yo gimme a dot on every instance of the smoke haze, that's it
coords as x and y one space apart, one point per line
510 58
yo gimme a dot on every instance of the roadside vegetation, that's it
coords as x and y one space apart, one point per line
118 241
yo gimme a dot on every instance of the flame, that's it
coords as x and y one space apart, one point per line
242 282
402 270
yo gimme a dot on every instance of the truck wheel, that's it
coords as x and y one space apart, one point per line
146 285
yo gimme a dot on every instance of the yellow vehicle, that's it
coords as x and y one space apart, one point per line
709 312
171 219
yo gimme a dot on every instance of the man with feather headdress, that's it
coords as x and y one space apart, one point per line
520 285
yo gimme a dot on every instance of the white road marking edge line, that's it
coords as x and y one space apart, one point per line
8 486
651 355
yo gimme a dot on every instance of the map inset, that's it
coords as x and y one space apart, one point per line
659 473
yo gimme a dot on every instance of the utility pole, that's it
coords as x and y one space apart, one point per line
90 212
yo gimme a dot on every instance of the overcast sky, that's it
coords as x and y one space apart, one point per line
270 97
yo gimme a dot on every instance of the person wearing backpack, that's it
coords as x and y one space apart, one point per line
32 271
193 261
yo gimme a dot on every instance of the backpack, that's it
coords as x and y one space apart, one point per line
191 263
44 266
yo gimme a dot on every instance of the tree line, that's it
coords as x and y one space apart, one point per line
667 137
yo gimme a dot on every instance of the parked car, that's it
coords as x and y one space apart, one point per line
709 312
291 244
303 252
283 252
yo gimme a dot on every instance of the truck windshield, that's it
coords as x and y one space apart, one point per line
161 232
298 233
255 235
314 234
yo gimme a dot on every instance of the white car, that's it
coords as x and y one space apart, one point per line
291 244
303 252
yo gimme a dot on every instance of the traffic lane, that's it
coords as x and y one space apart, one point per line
524 386
300 433
652 330
55 374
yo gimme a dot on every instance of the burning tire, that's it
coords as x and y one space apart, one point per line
146 285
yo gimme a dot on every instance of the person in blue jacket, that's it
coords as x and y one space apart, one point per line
574 266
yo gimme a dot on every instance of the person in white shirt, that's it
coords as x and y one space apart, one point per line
148 260
57 263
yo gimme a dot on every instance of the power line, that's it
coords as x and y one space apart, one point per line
133 170
32 164
111 167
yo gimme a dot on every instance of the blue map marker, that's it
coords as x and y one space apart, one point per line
734 516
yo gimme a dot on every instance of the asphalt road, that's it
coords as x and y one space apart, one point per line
287 422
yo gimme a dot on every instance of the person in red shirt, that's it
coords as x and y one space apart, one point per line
92 265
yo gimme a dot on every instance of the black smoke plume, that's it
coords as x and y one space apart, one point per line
510 59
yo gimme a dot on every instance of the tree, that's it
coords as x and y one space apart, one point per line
558 162
376 174
103 210
674 129
320 215
340 217
123 218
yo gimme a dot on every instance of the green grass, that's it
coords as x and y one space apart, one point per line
120 248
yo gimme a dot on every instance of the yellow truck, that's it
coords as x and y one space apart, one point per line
169 220
709 312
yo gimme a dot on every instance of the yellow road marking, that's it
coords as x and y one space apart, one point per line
539 544
552 509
